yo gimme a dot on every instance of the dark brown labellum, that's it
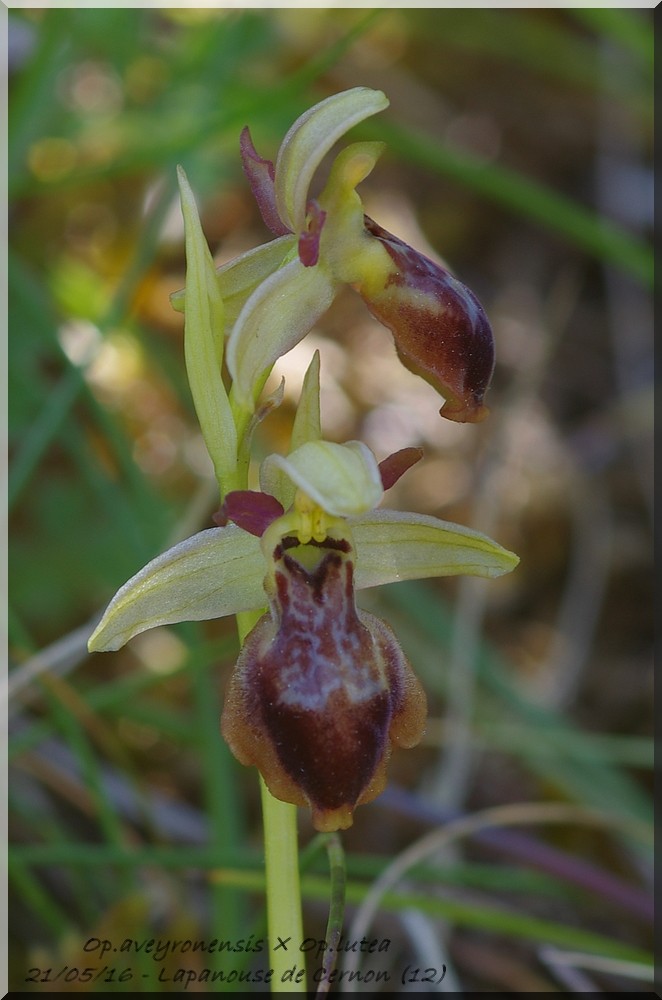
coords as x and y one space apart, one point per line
439 327
321 690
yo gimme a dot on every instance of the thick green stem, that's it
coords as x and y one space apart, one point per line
284 922
283 893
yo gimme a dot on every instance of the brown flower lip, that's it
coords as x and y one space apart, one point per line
321 690
439 327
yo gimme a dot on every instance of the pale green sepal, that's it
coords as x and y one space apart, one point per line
343 479
279 314
203 342
240 277
392 546
307 426
309 140
214 573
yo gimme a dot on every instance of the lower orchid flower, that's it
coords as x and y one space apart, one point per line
321 690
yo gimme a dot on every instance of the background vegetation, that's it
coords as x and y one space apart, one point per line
519 149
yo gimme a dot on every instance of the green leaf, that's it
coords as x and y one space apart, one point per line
203 344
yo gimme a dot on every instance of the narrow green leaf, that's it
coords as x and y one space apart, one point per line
203 344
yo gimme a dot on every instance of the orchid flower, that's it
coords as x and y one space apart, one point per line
321 244
321 690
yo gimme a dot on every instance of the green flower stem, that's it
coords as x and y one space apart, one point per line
283 890
279 819
338 876
281 870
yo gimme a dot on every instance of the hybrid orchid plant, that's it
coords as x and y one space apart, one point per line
321 691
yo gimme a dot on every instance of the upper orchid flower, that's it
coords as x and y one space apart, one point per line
321 690
440 329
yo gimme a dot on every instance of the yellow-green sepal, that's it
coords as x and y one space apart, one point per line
217 572
394 545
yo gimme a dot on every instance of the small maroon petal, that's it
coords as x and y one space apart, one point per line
397 464
439 327
260 174
309 241
250 510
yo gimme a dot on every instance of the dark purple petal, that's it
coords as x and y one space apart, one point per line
321 691
439 327
397 464
260 174
250 510
309 241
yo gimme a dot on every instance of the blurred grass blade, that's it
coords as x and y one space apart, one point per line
600 237
630 29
